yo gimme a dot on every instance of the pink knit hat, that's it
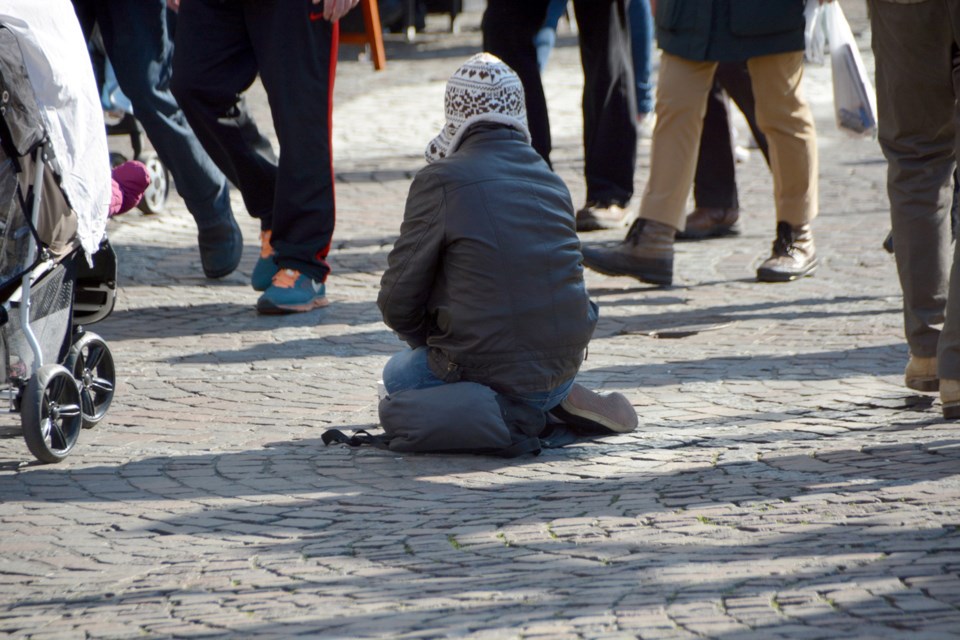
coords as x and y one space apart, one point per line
484 89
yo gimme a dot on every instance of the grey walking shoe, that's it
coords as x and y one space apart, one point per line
608 411
645 254
793 255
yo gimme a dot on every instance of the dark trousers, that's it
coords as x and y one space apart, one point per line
221 47
715 184
918 82
137 41
609 102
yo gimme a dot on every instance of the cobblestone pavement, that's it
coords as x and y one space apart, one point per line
783 482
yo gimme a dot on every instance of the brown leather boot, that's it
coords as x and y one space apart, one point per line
921 374
645 254
793 255
950 398
709 222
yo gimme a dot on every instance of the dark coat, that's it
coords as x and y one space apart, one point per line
487 269
729 30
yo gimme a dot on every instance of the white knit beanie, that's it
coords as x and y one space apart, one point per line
484 89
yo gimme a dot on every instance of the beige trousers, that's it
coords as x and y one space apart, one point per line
782 114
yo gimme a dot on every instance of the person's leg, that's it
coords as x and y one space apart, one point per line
786 120
647 251
716 206
915 102
714 184
213 64
734 78
296 52
609 101
545 400
509 28
641 48
138 44
546 36
408 369
682 91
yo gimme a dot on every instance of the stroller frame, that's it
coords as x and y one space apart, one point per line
59 377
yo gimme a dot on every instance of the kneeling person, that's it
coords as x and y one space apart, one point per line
485 282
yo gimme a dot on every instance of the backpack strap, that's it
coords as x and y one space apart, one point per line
359 438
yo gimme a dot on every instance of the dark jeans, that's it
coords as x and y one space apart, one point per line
137 41
609 103
641 46
715 183
221 47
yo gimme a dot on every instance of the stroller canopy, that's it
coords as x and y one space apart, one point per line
61 75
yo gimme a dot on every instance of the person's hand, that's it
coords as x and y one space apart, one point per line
174 5
333 10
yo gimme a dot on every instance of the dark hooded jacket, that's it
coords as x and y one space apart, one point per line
729 30
487 269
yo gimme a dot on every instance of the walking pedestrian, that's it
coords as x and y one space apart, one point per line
221 48
609 100
695 35
915 45
140 47
716 199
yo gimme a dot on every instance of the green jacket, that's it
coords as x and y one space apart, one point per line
729 30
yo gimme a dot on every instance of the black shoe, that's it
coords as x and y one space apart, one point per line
645 254
221 247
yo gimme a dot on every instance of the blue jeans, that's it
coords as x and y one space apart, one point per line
546 37
641 43
409 370
137 39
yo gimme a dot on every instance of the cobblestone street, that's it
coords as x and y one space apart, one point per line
783 483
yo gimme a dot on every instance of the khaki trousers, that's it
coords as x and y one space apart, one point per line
782 115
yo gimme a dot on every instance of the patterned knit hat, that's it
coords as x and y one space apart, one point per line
484 89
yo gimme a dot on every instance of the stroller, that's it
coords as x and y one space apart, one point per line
57 375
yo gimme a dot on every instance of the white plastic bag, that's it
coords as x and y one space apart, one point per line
853 97
813 33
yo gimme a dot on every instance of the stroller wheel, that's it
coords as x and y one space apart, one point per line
50 413
91 364
155 197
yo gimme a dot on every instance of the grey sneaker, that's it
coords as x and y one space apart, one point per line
645 254
793 255
608 411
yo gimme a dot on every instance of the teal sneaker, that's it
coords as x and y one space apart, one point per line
292 292
265 268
